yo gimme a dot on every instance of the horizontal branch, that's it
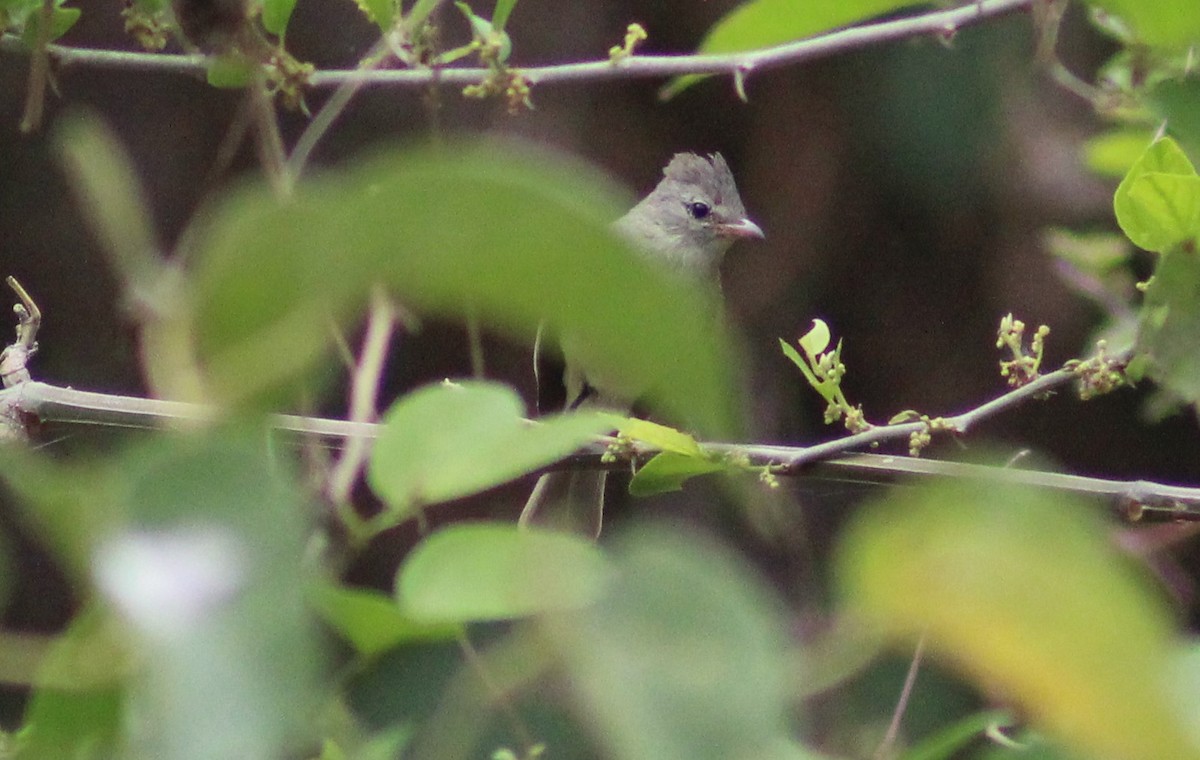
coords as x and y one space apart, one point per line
1136 499
943 23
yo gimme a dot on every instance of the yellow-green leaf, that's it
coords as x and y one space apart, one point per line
1025 592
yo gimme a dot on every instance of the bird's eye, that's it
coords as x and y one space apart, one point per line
699 209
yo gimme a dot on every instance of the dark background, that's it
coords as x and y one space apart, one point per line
904 190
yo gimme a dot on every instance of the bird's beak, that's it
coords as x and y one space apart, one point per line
741 228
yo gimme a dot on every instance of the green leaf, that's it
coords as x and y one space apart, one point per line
443 442
815 340
1159 23
1170 325
954 738
763 23
668 471
1024 591
61 21
684 657
1158 202
496 571
512 235
276 14
380 12
500 16
660 436
1114 153
371 621
76 706
230 72
1177 101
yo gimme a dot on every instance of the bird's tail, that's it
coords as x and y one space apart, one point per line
570 501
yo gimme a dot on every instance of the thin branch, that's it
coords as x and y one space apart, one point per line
1135 499
364 391
944 23
887 747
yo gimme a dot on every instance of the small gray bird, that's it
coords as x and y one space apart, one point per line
687 223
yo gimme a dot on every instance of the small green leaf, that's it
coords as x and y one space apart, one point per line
1158 202
61 21
496 571
659 436
1170 325
443 442
500 16
668 471
380 12
815 340
276 14
1024 591
954 738
231 72
371 621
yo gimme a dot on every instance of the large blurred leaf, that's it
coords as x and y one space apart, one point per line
1158 202
1024 591
763 23
443 442
513 235
684 657
207 574
1166 23
497 571
1169 328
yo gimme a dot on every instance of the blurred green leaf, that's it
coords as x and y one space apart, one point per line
668 471
152 6
1158 202
1159 23
946 743
71 506
446 441
231 72
661 436
512 235
1177 101
1170 325
763 23
106 186
77 704
380 12
1114 153
61 20
500 16
496 571
370 620
208 576
276 14
1025 592
684 657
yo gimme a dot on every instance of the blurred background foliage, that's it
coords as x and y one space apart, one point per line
906 191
